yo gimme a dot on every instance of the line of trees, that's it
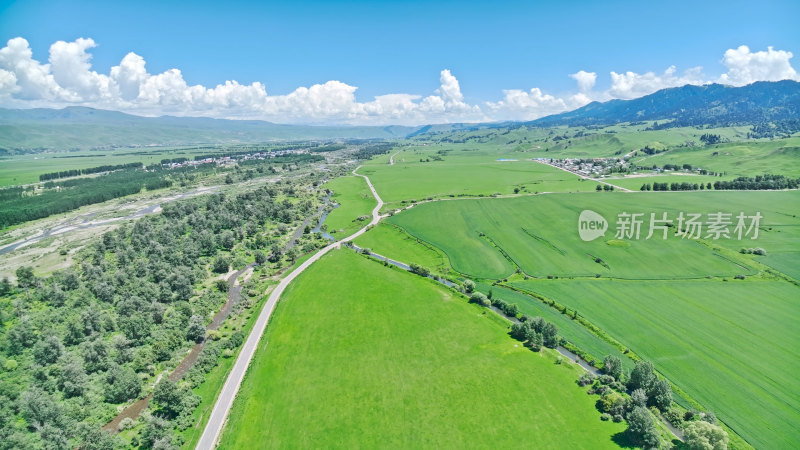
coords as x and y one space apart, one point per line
759 182
88 171
72 194
676 186
173 160
328 148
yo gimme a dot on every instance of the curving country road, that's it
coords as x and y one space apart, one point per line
222 407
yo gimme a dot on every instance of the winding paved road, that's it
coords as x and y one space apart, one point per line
222 407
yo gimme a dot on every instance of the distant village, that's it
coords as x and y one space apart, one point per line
589 167
228 159
604 167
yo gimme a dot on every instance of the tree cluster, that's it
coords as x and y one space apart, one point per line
628 396
76 344
369 151
710 139
535 332
675 186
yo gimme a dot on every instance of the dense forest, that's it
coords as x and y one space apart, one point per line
369 151
75 345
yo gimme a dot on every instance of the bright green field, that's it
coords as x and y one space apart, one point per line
621 140
466 172
392 241
577 142
383 358
731 345
354 199
781 156
540 234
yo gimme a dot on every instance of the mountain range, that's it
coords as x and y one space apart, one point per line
775 104
690 105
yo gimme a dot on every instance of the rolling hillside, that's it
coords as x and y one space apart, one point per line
84 128
689 105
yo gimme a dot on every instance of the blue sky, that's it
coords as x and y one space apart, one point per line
402 47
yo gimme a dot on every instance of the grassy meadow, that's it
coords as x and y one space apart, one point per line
781 156
354 199
539 234
392 241
578 142
387 359
466 172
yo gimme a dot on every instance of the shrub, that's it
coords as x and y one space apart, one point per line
126 424
469 286
605 417
221 285
674 416
221 264
479 299
419 270
703 435
606 379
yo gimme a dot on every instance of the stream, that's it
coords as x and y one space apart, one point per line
318 228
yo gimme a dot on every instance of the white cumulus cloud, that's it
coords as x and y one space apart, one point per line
71 65
526 105
67 78
518 104
745 67
129 76
632 85
33 80
586 80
